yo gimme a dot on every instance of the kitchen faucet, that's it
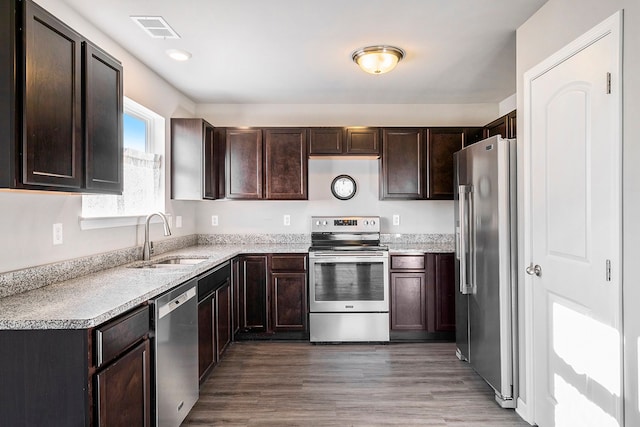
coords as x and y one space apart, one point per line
147 249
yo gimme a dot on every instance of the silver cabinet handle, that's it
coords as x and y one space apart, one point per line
534 269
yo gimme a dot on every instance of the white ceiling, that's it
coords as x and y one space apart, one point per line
299 51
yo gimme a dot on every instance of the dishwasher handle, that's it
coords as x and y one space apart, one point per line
176 303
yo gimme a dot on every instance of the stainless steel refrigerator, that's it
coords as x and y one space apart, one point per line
486 249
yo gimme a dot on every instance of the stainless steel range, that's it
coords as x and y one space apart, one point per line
348 280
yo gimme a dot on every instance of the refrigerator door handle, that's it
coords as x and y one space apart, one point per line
463 211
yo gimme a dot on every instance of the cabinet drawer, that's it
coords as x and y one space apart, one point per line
213 279
289 263
407 262
112 338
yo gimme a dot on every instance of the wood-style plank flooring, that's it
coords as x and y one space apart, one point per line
300 384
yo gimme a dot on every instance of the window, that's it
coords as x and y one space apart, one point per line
143 186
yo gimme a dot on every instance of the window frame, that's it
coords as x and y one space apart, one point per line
155 143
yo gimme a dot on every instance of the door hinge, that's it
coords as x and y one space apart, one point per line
608 83
608 270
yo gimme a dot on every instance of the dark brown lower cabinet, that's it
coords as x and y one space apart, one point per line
206 336
442 266
276 308
123 391
78 377
422 297
223 318
214 318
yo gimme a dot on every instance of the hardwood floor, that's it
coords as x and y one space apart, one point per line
297 383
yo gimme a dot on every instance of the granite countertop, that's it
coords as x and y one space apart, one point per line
90 300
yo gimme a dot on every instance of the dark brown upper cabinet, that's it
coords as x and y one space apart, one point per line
326 141
62 111
244 163
363 141
442 144
505 126
273 169
473 135
103 121
197 160
355 141
402 166
285 172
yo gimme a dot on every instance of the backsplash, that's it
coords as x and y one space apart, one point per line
19 281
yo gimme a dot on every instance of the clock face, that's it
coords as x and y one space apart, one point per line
343 187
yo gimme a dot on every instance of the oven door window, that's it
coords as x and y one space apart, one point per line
349 281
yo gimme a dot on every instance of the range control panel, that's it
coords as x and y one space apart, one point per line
328 224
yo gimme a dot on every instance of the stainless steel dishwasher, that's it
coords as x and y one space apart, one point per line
176 354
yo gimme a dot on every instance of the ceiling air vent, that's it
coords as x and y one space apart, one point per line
156 27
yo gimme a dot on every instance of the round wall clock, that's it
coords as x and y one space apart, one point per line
343 187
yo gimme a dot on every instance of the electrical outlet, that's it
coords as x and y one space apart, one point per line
396 220
57 233
287 220
178 221
214 220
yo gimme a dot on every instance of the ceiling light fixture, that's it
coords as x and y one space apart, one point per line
178 54
377 59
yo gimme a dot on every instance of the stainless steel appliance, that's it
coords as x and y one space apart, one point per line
176 354
485 212
348 280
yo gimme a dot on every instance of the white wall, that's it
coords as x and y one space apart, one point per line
246 216
27 217
556 24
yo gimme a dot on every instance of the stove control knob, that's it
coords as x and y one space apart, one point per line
366 222
373 222
324 222
317 222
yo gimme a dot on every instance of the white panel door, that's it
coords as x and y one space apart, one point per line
575 235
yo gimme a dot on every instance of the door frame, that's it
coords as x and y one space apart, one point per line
610 26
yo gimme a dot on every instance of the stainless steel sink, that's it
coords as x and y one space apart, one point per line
183 261
174 262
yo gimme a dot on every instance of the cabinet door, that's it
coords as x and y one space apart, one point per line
123 390
441 144
236 297
288 302
285 164
223 318
244 164
409 301
220 136
512 125
364 141
211 163
103 121
473 135
206 336
498 127
326 141
445 311
402 174
52 153
253 293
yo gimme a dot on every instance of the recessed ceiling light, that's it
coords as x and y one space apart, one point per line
178 54
156 27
